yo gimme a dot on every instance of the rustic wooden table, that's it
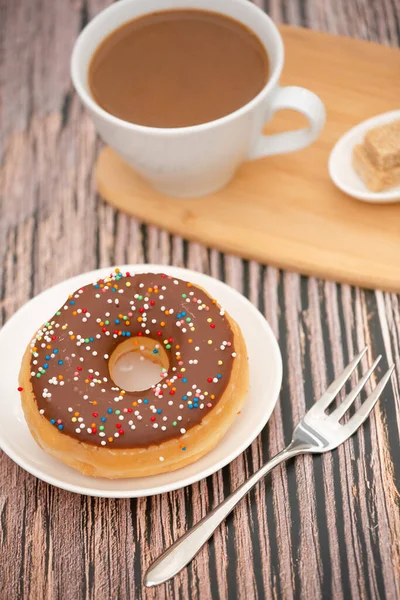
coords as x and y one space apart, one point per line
325 527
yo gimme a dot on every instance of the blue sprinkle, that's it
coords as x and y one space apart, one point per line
196 405
123 334
109 410
184 448
52 421
128 334
91 339
195 399
103 419
97 286
219 376
55 351
47 357
117 321
184 380
159 411
72 302
155 351
60 362
45 366
184 397
190 406
145 401
60 427
183 314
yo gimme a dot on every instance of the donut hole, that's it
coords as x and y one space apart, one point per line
138 364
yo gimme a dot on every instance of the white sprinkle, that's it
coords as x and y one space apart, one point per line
161 458
182 430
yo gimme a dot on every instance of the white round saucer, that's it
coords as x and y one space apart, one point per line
340 167
265 376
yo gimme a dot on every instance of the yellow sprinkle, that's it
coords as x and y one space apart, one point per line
209 320
64 327
128 284
74 419
209 342
220 362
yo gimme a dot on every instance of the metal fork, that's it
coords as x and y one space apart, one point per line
317 432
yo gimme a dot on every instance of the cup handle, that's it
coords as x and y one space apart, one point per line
305 102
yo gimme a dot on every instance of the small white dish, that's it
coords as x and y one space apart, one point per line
340 165
265 381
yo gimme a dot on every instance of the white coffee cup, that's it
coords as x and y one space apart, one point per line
198 160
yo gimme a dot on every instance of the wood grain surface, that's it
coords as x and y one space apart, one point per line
279 210
324 527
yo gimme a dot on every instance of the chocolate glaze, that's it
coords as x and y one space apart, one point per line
74 390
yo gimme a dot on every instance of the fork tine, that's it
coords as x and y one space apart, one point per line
348 401
337 385
363 412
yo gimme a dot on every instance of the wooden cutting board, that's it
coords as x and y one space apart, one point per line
285 210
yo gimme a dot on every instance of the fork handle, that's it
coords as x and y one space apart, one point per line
186 547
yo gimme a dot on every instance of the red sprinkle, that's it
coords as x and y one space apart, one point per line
171 393
140 334
212 326
152 418
141 310
209 379
95 414
170 340
118 425
79 368
104 329
53 337
130 409
121 432
84 310
94 430
152 303
159 333
20 389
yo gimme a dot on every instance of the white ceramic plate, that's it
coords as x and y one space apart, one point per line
341 170
265 377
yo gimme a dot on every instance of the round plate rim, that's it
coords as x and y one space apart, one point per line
206 472
391 195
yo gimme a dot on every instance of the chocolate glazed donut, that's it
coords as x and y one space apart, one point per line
77 413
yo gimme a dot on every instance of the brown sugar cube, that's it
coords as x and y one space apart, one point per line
382 145
375 179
